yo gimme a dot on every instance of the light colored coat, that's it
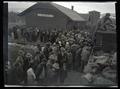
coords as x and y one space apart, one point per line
30 76
85 54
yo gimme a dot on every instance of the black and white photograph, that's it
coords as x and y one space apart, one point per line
61 43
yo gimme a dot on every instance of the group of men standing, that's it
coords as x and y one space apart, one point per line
68 52
33 34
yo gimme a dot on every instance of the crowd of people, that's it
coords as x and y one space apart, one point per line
50 64
33 34
63 51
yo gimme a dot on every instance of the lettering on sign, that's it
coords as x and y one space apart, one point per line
45 15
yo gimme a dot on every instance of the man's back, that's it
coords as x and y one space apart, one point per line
103 22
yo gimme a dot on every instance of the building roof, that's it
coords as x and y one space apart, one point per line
85 16
73 15
94 11
70 13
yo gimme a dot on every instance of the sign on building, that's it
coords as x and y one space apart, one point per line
45 15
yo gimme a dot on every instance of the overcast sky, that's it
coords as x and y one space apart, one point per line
80 7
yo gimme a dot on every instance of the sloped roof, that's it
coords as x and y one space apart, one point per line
70 13
73 15
35 6
85 16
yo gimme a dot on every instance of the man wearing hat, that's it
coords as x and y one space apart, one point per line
18 65
38 59
85 53
19 60
47 50
26 65
62 60
38 47
74 48
105 22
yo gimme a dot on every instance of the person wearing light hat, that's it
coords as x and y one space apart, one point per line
54 48
29 55
67 46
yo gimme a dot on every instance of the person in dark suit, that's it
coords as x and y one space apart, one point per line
74 48
62 60
47 50
78 59
26 65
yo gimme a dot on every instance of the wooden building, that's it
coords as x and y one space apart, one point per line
48 15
